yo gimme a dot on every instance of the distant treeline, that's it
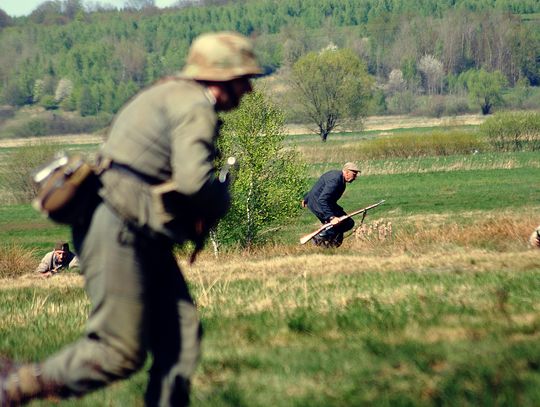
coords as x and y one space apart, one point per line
89 59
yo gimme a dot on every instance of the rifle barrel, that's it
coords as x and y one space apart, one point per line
306 238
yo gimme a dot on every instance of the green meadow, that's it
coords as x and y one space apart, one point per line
442 311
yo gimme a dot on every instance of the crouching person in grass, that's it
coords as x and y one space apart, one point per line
159 188
322 202
61 258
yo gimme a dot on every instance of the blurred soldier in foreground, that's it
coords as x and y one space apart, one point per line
59 259
158 188
322 201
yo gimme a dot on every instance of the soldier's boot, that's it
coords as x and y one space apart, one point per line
20 384
336 241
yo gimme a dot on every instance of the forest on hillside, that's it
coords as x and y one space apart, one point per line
81 58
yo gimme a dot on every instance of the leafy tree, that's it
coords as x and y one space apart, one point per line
139 4
522 90
38 90
48 12
87 102
91 45
13 95
63 89
331 88
295 44
269 182
48 102
396 83
433 72
5 19
382 27
485 88
20 90
378 103
72 8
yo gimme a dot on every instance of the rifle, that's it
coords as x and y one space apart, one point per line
309 236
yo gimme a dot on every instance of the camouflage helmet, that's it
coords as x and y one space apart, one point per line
220 56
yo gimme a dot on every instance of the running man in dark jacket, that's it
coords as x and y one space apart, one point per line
322 201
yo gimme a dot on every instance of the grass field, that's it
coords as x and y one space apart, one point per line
443 312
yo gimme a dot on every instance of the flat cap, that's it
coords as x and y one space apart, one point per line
61 245
350 166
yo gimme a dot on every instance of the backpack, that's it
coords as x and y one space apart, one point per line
67 190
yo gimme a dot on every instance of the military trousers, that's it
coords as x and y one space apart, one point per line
140 305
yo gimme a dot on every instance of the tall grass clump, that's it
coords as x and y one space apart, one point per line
15 260
16 172
437 143
513 131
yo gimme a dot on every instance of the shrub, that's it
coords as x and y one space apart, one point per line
377 104
15 260
48 102
455 105
533 101
440 105
431 106
270 180
6 112
35 127
56 123
438 143
513 131
401 103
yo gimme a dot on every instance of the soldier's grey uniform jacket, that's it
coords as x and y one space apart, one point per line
165 135
140 301
158 183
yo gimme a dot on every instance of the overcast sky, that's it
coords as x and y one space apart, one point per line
16 8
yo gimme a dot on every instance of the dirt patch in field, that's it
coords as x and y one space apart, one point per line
64 139
383 123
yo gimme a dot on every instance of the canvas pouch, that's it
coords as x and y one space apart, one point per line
67 190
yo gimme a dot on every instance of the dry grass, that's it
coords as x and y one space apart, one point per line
282 275
496 231
478 242
31 279
407 122
15 260
211 271
286 283
59 139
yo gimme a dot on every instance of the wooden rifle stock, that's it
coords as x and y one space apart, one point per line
309 236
